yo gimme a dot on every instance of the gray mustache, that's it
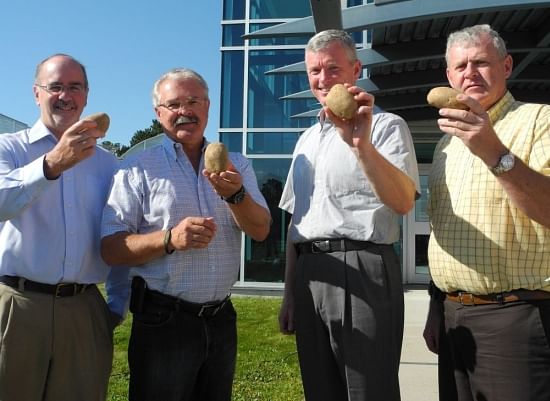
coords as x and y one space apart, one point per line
185 119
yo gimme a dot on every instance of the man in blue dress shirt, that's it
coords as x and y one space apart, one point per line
55 327
180 227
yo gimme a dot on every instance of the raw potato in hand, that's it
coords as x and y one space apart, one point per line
216 158
445 97
102 120
341 102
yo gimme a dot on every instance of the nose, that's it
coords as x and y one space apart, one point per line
471 70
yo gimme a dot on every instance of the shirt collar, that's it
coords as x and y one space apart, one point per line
501 107
173 148
39 131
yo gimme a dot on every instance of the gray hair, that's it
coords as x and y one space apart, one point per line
473 35
39 66
325 38
177 74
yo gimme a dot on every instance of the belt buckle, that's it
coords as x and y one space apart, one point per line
320 246
204 308
59 286
462 296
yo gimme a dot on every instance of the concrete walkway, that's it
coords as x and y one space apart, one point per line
418 371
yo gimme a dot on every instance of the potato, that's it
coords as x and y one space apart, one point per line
445 97
216 158
341 102
102 120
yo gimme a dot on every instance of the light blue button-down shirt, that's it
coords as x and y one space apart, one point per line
327 191
50 229
155 190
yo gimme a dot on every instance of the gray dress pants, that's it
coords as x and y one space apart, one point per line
349 316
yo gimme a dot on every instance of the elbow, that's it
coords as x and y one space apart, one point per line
403 208
260 233
107 255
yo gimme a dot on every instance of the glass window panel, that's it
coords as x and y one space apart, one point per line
266 109
231 112
233 141
271 142
421 252
232 35
424 152
284 40
420 210
260 9
265 261
233 9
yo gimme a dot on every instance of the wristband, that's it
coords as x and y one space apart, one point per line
167 238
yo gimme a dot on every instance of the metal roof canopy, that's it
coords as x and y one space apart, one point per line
407 54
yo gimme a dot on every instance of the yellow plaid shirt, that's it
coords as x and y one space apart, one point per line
480 242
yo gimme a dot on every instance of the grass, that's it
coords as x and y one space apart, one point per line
267 363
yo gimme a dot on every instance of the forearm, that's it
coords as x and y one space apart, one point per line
252 218
529 191
393 187
290 268
127 249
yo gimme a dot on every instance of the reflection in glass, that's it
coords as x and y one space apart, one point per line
233 9
232 35
421 252
275 41
233 141
421 213
271 142
261 9
231 112
265 261
265 107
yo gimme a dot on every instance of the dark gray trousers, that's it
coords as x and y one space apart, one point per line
349 316
495 352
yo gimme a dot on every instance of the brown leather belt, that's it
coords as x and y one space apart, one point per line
466 298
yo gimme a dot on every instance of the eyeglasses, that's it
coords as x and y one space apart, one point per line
56 89
189 103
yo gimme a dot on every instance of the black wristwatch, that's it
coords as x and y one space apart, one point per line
237 197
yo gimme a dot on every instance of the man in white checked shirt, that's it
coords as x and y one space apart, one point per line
178 227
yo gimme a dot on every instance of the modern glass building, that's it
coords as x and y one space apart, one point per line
266 102
8 124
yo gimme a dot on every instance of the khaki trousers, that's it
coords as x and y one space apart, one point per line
54 349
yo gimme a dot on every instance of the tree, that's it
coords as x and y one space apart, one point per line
139 136
146 133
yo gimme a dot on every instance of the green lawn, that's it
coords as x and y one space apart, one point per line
267 364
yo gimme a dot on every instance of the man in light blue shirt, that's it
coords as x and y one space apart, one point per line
179 228
55 327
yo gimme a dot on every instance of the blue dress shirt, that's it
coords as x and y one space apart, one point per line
50 229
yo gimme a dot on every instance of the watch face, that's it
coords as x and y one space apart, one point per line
506 163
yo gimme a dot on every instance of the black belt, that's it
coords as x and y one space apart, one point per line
334 245
469 299
59 290
208 309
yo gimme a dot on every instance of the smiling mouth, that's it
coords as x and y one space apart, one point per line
64 106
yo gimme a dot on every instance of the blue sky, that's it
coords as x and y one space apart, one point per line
125 46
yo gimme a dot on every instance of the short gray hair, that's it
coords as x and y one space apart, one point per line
177 74
325 38
473 35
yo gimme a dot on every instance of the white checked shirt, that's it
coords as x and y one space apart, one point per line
158 188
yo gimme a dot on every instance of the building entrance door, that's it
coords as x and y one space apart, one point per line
416 229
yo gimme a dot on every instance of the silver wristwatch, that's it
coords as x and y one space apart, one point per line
506 163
